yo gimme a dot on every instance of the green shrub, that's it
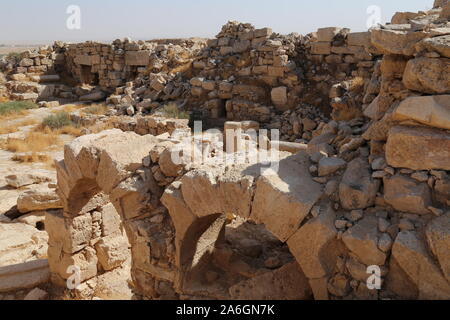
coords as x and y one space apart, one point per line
57 121
11 107
172 111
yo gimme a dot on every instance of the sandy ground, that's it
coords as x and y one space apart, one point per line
8 196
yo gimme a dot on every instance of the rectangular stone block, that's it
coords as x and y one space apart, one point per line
321 48
137 58
418 148
358 39
327 34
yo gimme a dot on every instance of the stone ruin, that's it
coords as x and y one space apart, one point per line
363 178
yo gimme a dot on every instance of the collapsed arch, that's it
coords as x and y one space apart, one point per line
174 228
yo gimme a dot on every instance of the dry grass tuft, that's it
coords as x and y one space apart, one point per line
33 142
69 108
15 126
33 157
356 84
70 130
97 109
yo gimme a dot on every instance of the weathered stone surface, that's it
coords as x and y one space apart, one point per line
87 60
418 148
399 283
21 242
94 96
122 158
428 75
357 189
279 97
412 256
328 166
312 245
72 234
26 179
362 240
112 251
284 199
168 166
396 41
327 34
438 237
358 39
321 48
137 58
38 198
36 294
24 276
60 262
111 221
287 282
406 194
440 45
393 66
433 111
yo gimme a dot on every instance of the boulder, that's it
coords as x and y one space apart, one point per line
21 242
428 75
328 166
401 42
357 189
403 17
433 111
112 251
418 148
279 97
38 198
393 66
440 45
412 256
362 240
312 245
284 199
94 96
24 276
25 179
407 195
36 294
72 235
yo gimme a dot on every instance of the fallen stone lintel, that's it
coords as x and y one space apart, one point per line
24 276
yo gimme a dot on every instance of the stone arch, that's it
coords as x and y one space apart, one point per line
171 227
97 178
199 202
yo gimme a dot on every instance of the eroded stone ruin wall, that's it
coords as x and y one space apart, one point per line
371 187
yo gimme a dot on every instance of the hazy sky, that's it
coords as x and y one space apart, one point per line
31 21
